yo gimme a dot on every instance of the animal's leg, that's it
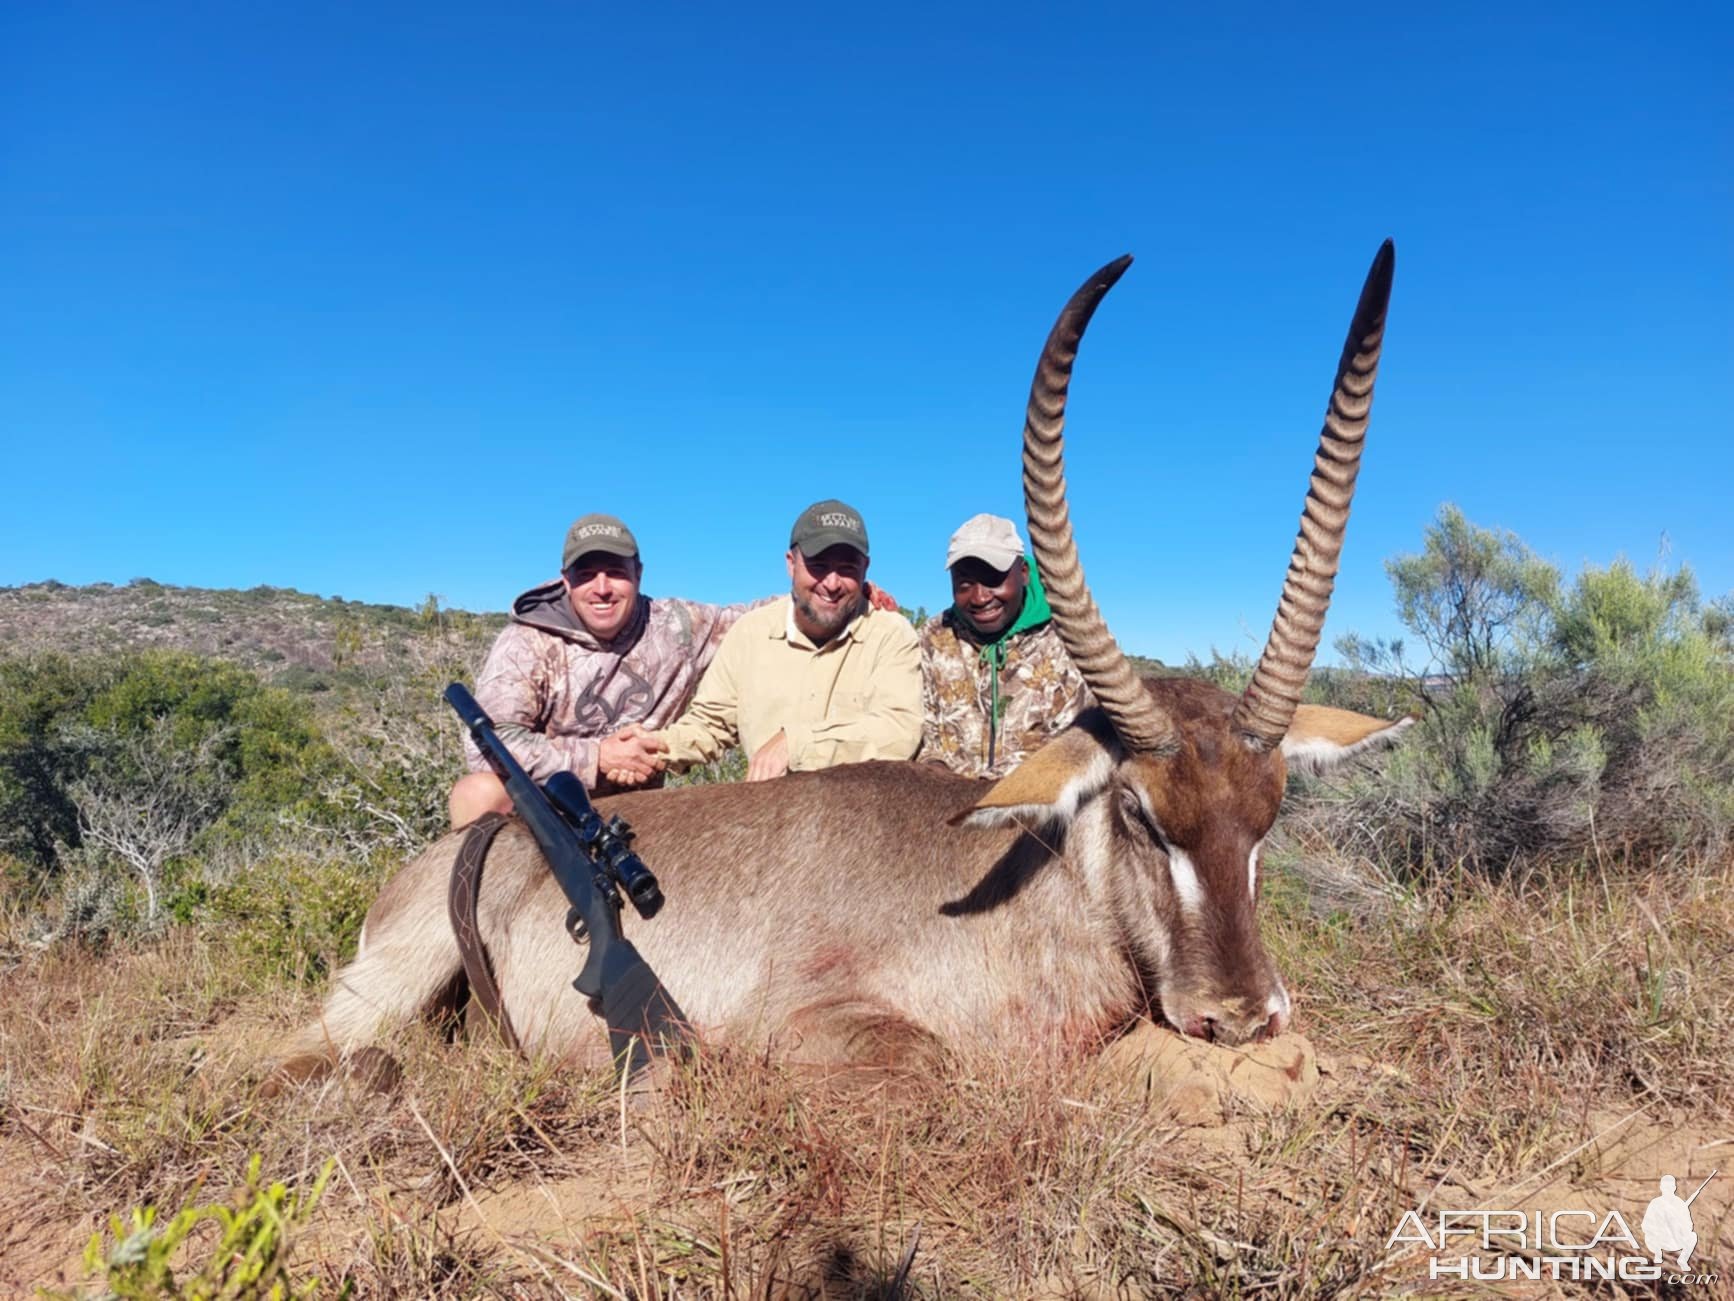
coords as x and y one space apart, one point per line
408 966
859 1037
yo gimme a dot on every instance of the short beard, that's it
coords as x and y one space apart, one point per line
828 624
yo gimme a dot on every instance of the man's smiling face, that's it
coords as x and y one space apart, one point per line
827 589
603 589
990 598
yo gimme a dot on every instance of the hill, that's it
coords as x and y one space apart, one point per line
291 638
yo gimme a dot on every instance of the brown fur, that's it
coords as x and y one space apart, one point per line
836 917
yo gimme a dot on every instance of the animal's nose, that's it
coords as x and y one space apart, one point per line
1216 1029
1202 1027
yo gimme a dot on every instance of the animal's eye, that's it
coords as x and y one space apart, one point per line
1136 813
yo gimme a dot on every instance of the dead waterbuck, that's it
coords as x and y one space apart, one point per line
879 911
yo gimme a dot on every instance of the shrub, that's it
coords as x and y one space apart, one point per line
729 766
1476 597
38 695
1231 672
1556 723
398 750
129 765
295 917
248 1260
1649 674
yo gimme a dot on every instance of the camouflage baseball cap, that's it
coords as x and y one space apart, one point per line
597 533
825 524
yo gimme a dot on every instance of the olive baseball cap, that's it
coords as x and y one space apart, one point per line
825 524
992 539
597 533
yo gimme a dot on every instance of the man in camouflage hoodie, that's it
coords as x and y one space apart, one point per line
996 683
586 665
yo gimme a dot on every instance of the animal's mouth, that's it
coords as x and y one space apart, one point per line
1229 1022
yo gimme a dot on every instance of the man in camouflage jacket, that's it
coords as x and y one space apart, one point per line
586 665
996 683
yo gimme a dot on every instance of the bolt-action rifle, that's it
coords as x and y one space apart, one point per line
592 861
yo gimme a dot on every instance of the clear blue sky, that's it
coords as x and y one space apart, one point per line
371 300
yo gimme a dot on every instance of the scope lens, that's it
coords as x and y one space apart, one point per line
640 883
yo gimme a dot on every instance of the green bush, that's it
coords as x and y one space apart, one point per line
295 918
1656 683
729 766
399 748
134 766
1231 672
249 1261
1478 598
1558 722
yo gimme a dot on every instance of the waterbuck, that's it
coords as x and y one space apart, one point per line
878 912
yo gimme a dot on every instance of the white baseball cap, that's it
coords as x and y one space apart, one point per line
989 538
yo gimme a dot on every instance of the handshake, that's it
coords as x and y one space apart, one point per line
632 756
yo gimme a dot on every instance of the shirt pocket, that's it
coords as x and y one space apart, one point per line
846 705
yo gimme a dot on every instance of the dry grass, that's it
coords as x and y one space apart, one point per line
1480 1038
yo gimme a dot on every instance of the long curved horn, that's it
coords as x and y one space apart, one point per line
1142 726
1267 707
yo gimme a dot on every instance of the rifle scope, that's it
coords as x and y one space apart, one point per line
609 842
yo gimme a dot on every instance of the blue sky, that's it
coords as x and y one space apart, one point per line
372 300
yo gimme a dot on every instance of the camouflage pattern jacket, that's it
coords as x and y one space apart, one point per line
554 691
1039 692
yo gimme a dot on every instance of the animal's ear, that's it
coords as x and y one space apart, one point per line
1320 737
1050 784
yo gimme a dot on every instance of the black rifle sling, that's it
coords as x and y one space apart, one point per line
461 896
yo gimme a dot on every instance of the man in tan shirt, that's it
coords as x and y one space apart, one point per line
813 681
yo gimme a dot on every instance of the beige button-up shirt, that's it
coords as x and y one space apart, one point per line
856 697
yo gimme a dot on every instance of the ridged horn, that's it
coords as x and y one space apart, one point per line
1142 726
1267 707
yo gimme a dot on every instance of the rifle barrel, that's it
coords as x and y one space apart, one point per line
1704 1185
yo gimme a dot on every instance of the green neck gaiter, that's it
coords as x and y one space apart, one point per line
1034 614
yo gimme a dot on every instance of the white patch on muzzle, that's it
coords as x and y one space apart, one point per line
1277 1004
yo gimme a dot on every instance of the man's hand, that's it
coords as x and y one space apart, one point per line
631 756
772 759
879 598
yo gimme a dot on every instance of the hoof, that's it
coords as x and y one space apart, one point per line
373 1068
294 1072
